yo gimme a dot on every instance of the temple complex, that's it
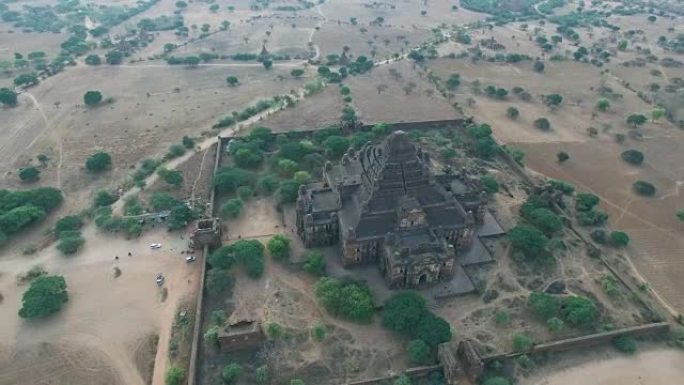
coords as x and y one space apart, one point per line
385 205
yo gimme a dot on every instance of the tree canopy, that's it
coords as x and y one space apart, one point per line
92 98
279 247
45 296
98 162
345 299
528 240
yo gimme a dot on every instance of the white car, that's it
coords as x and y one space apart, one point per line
190 258
159 279
155 246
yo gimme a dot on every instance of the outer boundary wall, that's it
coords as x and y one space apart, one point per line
197 328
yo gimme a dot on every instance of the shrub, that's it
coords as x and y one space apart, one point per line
104 198
490 184
625 344
68 223
279 247
232 208
98 162
231 373
545 305
402 380
545 220
522 343
599 236
8 97
274 331
579 311
45 296
542 124
92 98
315 263
591 218
555 324
632 156
644 188
175 151
29 174
619 238
496 381
93 60
319 332
501 318
171 177
174 376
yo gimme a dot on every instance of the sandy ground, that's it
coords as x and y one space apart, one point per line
657 367
100 334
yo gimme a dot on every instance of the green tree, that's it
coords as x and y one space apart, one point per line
162 201
114 57
93 60
68 223
279 247
98 162
8 97
528 240
267 184
315 263
680 215
232 208
433 330
512 112
418 352
174 375
70 242
227 180
632 156
586 201
562 157
644 188
538 66
579 311
104 198
335 146
268 63
29 174
218 281
297 73
622 45
92 98
172 177
188 142
603 105
345 299
179 216
26 80
545 220
181 4
453 82
232 81
553 100
245 192
403 311
45 296
619 238
231 373
545 305
542 124
636 120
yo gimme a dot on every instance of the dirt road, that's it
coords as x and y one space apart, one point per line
657 367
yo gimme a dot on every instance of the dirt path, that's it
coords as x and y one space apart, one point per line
657 367
199 174
313 32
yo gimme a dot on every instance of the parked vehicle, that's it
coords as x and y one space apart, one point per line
160 279
155 246
190 258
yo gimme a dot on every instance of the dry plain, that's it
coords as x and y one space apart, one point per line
95 342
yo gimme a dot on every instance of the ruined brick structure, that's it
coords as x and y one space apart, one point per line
385 206
207 232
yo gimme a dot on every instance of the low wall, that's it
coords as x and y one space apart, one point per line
420 371
588 340
197 329
421 125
